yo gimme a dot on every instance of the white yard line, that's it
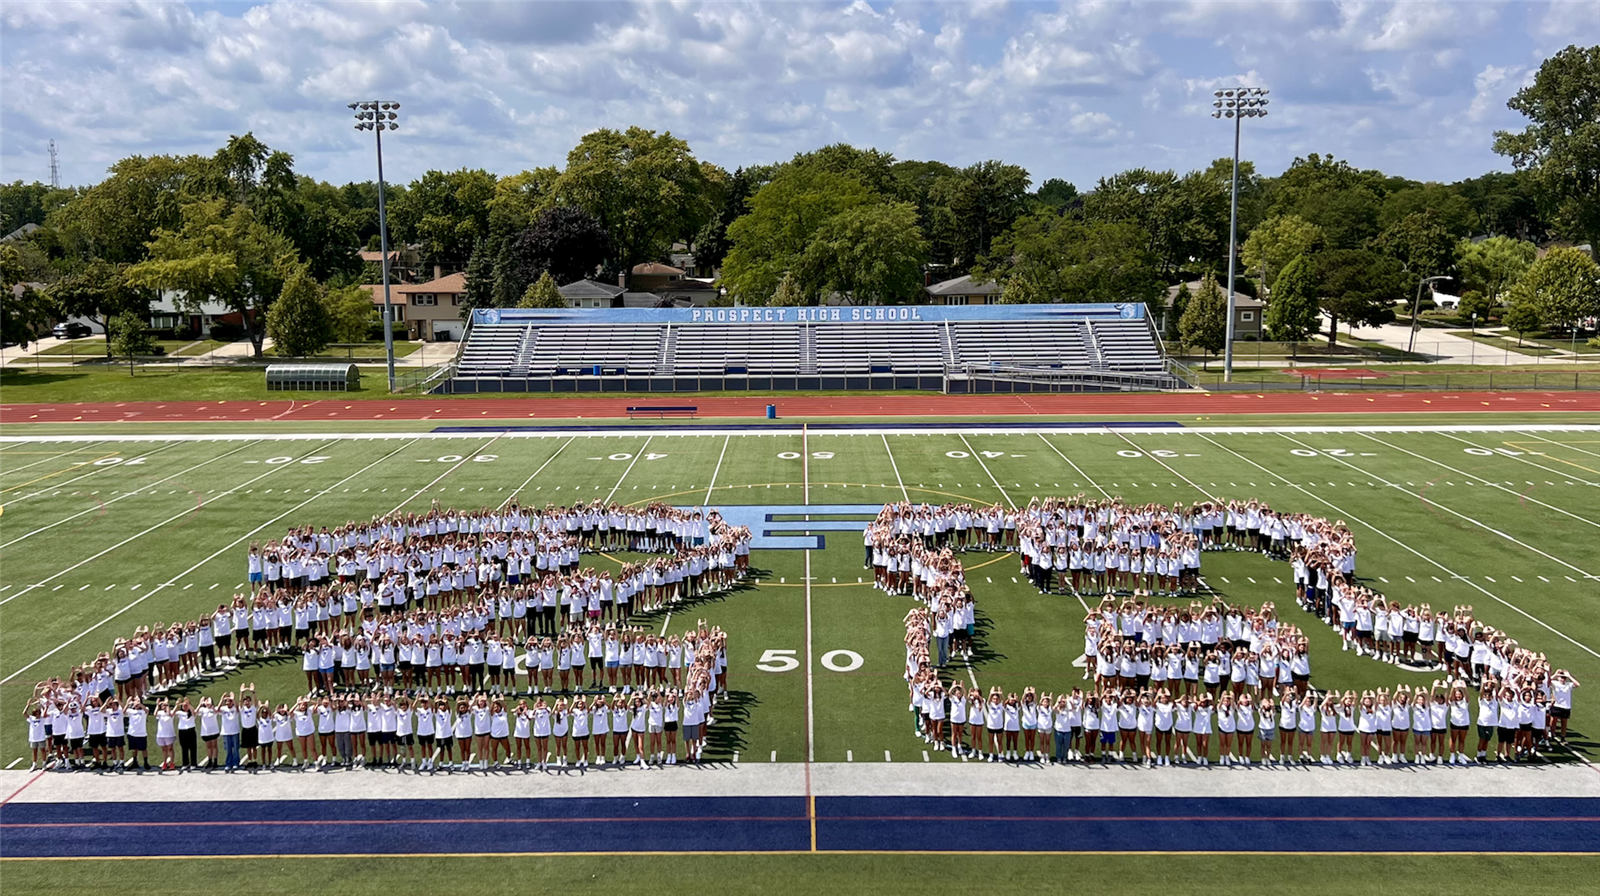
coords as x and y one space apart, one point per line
90 472
1427 500
718 469
530 478
1146 452
127 495
9 470
1501 452
979 458
174 580
638 454
171 519
1421 556
1567 445
905 495
1086 477
465 458
811 721
1491 482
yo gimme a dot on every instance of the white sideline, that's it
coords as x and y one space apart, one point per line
997 429
174 580
1442 568
45 461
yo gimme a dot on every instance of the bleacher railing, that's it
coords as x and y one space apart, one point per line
1076 380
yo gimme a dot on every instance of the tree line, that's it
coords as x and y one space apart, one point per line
839 223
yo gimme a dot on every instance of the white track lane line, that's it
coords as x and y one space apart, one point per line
620 479
712 487
1424 498
92 471
1500 452
466 458
1421 556
904 494
547 463
171 519
1490 482
174 580
129 494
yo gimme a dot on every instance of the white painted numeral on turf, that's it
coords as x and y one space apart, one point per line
822 455
778 661
485 458
279 460
842 660
315 458
654 456
1162 452
1127 453
108 461
1331 452
450 459
956 454
620 457
992 453
789 455
1480 452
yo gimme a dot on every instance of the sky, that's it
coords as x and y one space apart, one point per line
1073 90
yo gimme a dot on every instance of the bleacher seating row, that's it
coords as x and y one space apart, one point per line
574 348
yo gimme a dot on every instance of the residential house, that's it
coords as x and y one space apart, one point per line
1248 313
405 262
166 313
430 310
652 277
963 291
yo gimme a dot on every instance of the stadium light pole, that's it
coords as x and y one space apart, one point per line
376 116
1237 103
1416 308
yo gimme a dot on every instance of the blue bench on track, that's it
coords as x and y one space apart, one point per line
686 410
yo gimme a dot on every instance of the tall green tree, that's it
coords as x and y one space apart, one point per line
98 291
447 212
351 313
974 205
645 189
479 280
507 285
1204 325
1294 312
1065 260
1423 247
1360 287
542 293
1019 290
220 253
711 244
869 255
1564 286
1181 218
1174 316
1522 318
117 218
784 216
24 311
1277 241
1560 147
1057 194
131 337
789 293
1493 265
33 203
298 321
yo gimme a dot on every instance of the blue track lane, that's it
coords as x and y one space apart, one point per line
741 824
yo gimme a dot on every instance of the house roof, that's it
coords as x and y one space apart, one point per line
652 267
1240 300
591 289
454 283
964 286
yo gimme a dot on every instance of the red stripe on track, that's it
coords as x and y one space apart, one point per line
866 405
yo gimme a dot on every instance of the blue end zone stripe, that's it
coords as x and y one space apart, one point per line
1229 824
887 423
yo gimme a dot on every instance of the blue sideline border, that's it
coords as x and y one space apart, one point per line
816 427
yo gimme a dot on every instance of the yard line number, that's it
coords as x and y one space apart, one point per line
783 660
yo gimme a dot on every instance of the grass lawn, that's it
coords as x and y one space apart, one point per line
1561 341
102 537
1498 342
770 874
364 351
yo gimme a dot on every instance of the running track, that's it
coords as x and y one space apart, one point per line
1176 405
781 824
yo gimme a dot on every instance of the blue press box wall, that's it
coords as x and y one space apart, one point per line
827 314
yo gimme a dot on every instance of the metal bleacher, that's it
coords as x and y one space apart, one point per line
954 349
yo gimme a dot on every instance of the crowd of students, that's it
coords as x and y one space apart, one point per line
1165 678
424 616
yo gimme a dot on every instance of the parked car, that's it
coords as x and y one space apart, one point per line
71 330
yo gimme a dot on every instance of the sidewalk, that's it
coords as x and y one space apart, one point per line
234 353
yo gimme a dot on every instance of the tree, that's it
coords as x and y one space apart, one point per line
1445 204
1174 315
974 205
1019 290
219 253
1277 241
508 284
1419 243
645 189
543 293
98 291
446 212
298 321
22 203
1057 194
1294 313
1476 306
1204 324
1493 265
564 241
23 310
784 216
351 314
479 280
1562 287
788 293
1181 218
1560 148
130 337
1522 318
1064 260
1333 195
1358 286
711 244
870 254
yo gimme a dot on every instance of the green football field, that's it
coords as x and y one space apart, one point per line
98 537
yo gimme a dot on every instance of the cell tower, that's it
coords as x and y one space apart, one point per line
55 168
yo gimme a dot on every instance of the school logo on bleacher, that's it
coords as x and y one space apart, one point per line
1127 311
489 315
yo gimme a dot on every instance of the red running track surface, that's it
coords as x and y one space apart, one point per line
1179 406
